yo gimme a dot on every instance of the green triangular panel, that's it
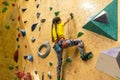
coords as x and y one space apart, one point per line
111 29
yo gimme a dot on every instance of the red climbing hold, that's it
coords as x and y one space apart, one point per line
16 56
27 76
19 35
25 46
18 18
13 4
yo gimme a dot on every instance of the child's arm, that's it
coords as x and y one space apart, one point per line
67 21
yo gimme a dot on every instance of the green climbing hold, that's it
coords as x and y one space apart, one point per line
15 78
50 63
6 3
57 13
51 8
15 0
80 34
71 15
18 29
18 46
68 59
7 26
11 67
4 9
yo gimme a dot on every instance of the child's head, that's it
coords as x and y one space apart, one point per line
56 20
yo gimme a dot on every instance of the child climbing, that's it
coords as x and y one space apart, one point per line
61 43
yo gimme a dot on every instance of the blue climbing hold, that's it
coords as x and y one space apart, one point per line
30 57
23 32
34 26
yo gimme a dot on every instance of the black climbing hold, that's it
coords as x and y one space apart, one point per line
16 56
17 39
24 9
25 21
50 63
33 39
26 0
25 57
37 6
33 26
38 15
23 32
51 8
5 3
4 9
43 20
71 15
57 13
36 72
13 4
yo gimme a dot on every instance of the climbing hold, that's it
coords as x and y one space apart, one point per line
71 15
57 13
7 26
51 8
23 32
33 26
25 46
43 20
33 39
80 34
36 72
13 4
42 75
16 56
4 9
18 18
19 35
46 45
50 63
37 5
25 57
5 3
25 21
68 59
15 78
49 75
11 67
17 39
24 9
102 17
18 46
30 57
38 15
18 29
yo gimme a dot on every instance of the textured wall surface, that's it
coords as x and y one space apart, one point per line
83 10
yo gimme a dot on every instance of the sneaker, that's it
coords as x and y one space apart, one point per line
86 56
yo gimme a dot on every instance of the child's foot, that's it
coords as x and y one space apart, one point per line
86 56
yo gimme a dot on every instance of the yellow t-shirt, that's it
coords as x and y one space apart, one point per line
60 31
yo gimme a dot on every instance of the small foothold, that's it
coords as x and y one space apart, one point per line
36 72
13 4
16 56
33 39
72 16
15 78
50 63
18 18
7 26
38 15
23 32
57 13
25 21
68 59
5 3
11 67
49 75
17 39
25 57
24 9
25 46
80 34
51 8
18 46
30 57
26 0
4 9
18 29
33 26
37 5
19 35
43 20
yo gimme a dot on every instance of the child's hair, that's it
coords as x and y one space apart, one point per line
55 21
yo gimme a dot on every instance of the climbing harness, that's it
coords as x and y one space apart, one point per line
46 45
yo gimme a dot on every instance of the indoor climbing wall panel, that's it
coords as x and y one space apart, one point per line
31 28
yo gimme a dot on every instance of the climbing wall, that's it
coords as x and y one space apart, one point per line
26 24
